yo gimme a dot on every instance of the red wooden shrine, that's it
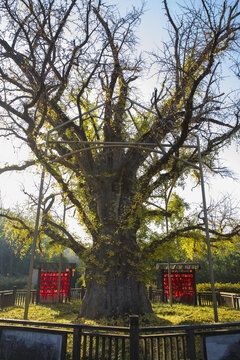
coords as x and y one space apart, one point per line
47 289
182 286
183 282
49 286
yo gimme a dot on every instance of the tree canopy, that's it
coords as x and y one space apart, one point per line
67 75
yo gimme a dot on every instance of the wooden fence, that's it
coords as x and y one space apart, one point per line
203 298
7 298
17 297
21 297
78 293
88 342
223 299
156 295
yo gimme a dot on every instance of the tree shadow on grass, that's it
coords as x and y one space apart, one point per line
146 320
66 311
70 312
149 320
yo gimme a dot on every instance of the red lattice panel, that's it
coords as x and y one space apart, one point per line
49 286
182 285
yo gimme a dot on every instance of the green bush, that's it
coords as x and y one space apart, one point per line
7 283
227 287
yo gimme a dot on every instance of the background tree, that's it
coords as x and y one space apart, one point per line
58 61
15 253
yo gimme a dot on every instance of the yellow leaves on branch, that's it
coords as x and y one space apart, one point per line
18 237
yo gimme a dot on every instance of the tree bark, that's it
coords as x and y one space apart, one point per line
117 297
114 281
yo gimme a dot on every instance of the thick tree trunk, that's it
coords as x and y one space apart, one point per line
114 281
118 296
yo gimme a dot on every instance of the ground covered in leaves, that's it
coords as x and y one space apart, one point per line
164 315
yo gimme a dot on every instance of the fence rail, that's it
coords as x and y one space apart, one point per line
133 342
203 298
164 346
7 298
223 299
21 297
97 345
17 297
156 295
78 293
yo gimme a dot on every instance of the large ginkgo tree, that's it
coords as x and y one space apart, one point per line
76 59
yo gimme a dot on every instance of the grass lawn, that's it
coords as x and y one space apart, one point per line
164 315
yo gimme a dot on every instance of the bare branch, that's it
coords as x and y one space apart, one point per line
17 167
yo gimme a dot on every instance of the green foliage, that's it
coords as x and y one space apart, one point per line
223 287
18 234
177 206
14 261
7 283
189 244
226 266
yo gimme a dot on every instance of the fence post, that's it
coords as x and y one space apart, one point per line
14 295
191 345
134 337
237 302
76 344
199 299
